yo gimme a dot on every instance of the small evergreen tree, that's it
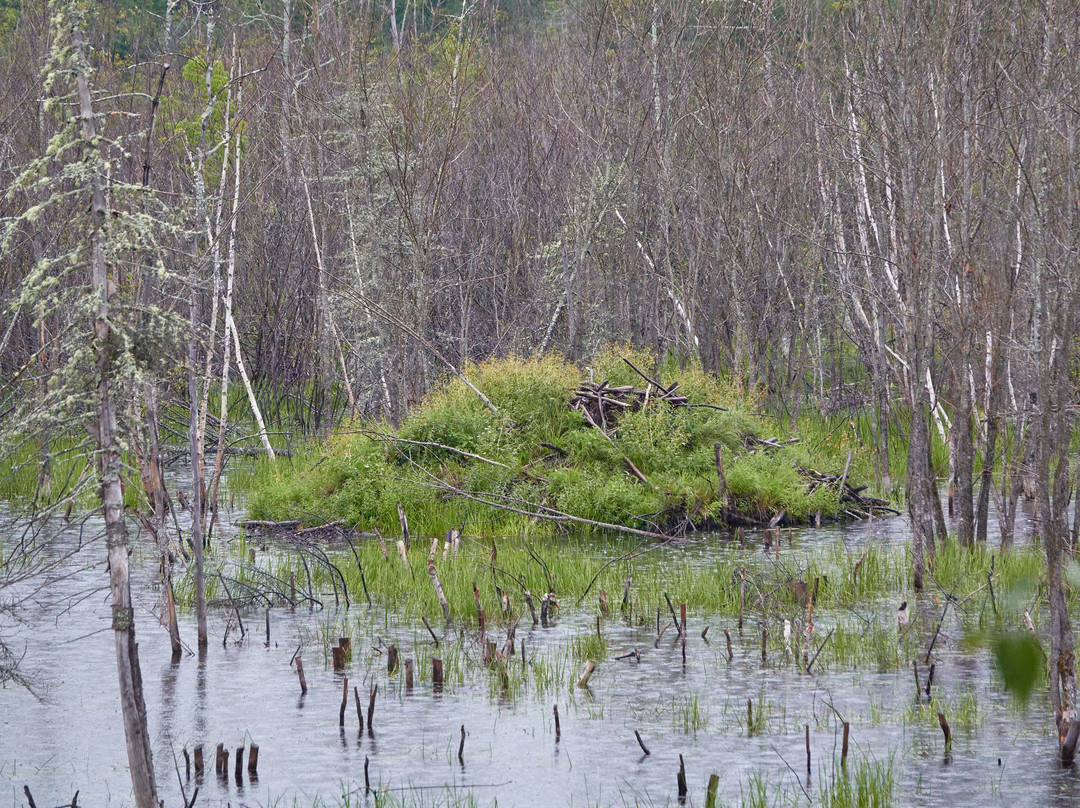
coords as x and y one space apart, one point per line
83 290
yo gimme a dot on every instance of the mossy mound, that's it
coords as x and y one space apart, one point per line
455 463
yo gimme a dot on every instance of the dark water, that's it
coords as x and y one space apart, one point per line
69 737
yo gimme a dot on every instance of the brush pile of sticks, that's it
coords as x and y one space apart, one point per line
602 405
852 501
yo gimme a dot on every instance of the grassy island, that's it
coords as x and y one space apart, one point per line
559 447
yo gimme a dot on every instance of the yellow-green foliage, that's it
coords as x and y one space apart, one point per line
360 475
764 483
69 477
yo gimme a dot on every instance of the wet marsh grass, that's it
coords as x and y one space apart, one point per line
962 710
859 645
867 782
71 476
589 647
858 606
688 715
845 579
857 591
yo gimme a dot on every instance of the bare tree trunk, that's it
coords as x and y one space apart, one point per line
195 458
324 323
965 461
230 324
223 417
153 465
919 506
1054 491
132 706
194 436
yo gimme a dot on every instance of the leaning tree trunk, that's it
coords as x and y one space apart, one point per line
195 458
132 707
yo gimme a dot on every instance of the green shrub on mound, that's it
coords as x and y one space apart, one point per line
455 463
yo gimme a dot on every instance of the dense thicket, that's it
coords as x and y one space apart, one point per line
848 205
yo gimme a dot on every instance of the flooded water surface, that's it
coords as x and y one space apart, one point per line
65 735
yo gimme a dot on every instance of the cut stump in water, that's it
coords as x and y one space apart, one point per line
586 674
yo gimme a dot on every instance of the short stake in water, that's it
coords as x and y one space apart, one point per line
710 792
371 708
436 674
808 749
558 729
300 673
945 730
198 760
681 780
434 575
359 708
253 760
344 701
844 748
461 747
238 771
391 659
586 674
408 674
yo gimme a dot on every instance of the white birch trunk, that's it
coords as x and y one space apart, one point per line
230 325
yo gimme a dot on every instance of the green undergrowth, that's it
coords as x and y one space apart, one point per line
67 477
453 463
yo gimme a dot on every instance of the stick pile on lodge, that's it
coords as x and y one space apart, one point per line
852 501
602 404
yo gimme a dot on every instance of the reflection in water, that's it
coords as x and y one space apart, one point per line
200 694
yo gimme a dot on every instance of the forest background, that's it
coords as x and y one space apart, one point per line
867 209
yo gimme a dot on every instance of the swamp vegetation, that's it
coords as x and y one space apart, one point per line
636 403
652 466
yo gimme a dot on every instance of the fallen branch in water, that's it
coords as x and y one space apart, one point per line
819 650
629 556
